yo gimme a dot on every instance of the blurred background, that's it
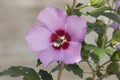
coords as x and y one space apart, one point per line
16 17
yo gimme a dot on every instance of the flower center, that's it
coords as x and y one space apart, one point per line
60 40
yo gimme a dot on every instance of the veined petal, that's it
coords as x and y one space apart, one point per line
38 38
53 18
76 27
72 54
50 55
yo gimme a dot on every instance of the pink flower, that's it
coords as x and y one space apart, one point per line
59 38
114 24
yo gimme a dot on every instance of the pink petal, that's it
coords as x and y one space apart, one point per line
72 54
117 4
38 38
115 25
53 18
76 27
50 55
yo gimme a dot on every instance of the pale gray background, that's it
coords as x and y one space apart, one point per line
16 17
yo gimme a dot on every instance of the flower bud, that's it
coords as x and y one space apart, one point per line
100 22
116 35
97 3
115 56
118 46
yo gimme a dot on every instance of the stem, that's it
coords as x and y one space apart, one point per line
105 63
103 76
90 66
104 41
73 6
60 71
84 6
88 72
105 37
94 75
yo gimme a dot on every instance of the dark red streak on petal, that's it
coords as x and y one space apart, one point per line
54 37
65 45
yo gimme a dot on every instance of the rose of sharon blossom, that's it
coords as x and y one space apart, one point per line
59 38
114 24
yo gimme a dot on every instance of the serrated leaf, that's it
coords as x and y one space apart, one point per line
112 16
45 75
16 71
97 12
75 69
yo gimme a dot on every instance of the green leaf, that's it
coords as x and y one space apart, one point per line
77 12
89 78
85 54
112 68
38 63
97 3
91 27
16 71
99 40
100 29
89 47
94 57
97 12
98 51
45 75
112 16
75 69
118 75
78 5
68 10
109 51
